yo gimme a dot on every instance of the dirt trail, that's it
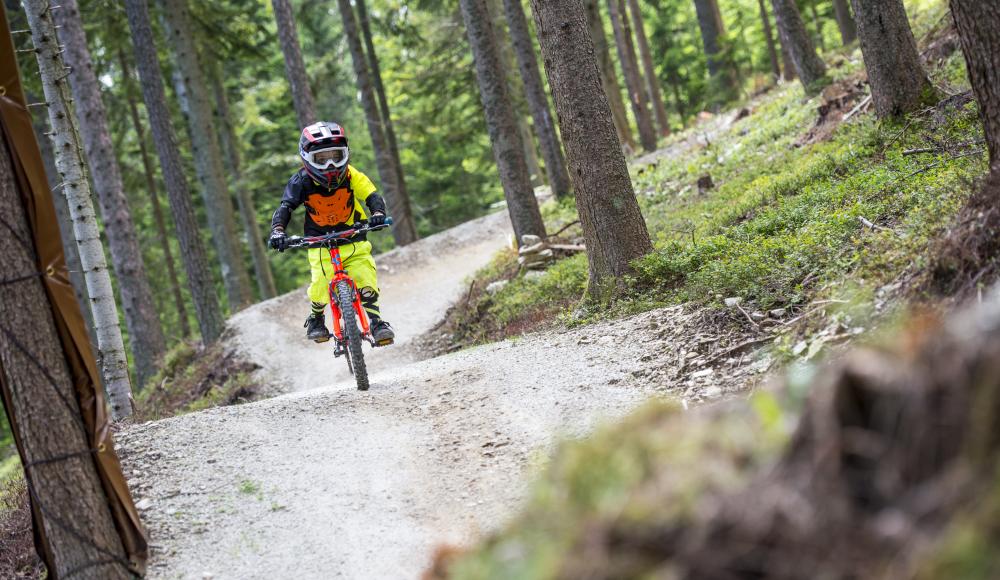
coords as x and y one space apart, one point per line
325 481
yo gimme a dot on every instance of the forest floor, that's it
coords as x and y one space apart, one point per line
324 481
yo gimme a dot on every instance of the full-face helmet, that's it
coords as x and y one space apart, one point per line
324 152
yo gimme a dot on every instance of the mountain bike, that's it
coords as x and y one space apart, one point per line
350 321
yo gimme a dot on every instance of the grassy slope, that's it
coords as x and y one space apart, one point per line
783 225
782 228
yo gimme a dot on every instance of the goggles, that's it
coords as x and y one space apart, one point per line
328 157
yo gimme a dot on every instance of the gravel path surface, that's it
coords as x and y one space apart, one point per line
325 481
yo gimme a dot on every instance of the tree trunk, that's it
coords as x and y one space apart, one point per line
652 81
76 187
383 158
501 121
794 37
206 303
537 178
193 93
612 223
787 66
772 50
144 329
817 26
898 80
404 228
977 24
545 128
244 199
630 68
845 22
74 510
298 80
609 79
711 26
70 250
154 197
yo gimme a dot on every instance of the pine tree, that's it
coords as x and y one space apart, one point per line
977 24
76 187
145 333
295 68
545 127
845 22
630 69
772 50
898 80
608 77
206 303
652 82
501 121
712 31
613 227
194 95
794 38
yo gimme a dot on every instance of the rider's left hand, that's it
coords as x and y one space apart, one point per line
377 219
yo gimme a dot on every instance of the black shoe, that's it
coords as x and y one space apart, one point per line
316 328
382 333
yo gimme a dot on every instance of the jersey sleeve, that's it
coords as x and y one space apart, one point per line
291 199
361 185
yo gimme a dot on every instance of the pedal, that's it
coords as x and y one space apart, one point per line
385 342
321 340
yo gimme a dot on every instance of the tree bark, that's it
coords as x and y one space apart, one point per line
545 128
383 158
845 22
154 198
787 66
404 228
144 329
652 81
794 37
609 79
298 80
206 303
193 93
501 121
612 223
630 68
898 80
244 199
772 50
817 26
76 187
43 398
977 24
711 26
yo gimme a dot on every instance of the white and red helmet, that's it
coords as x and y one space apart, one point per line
324 152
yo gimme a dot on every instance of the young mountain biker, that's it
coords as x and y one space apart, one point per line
333 192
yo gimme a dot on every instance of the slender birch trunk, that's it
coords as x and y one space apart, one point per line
193 93
244 200
501 121
609 79
630 68
76 187
305 107
144 329
404 228
646 55
154 198
206 303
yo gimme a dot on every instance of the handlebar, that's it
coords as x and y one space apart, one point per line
335 238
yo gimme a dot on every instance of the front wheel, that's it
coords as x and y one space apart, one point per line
352 334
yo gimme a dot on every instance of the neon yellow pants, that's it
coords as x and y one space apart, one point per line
357 261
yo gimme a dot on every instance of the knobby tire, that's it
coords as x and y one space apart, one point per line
345 296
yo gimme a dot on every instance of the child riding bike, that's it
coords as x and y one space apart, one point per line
333 191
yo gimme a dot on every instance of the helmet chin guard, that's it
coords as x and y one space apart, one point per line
324 151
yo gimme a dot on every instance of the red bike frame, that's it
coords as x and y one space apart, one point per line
339 275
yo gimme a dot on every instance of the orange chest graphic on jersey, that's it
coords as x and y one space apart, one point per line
331 210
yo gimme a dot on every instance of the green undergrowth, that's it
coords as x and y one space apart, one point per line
193 378
789 220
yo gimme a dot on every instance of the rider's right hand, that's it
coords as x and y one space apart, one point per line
278 241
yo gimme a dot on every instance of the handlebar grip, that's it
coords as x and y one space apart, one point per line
388 221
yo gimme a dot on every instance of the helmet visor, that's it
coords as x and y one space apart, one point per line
327 157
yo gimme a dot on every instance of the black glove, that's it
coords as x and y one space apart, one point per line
377 219
278 241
